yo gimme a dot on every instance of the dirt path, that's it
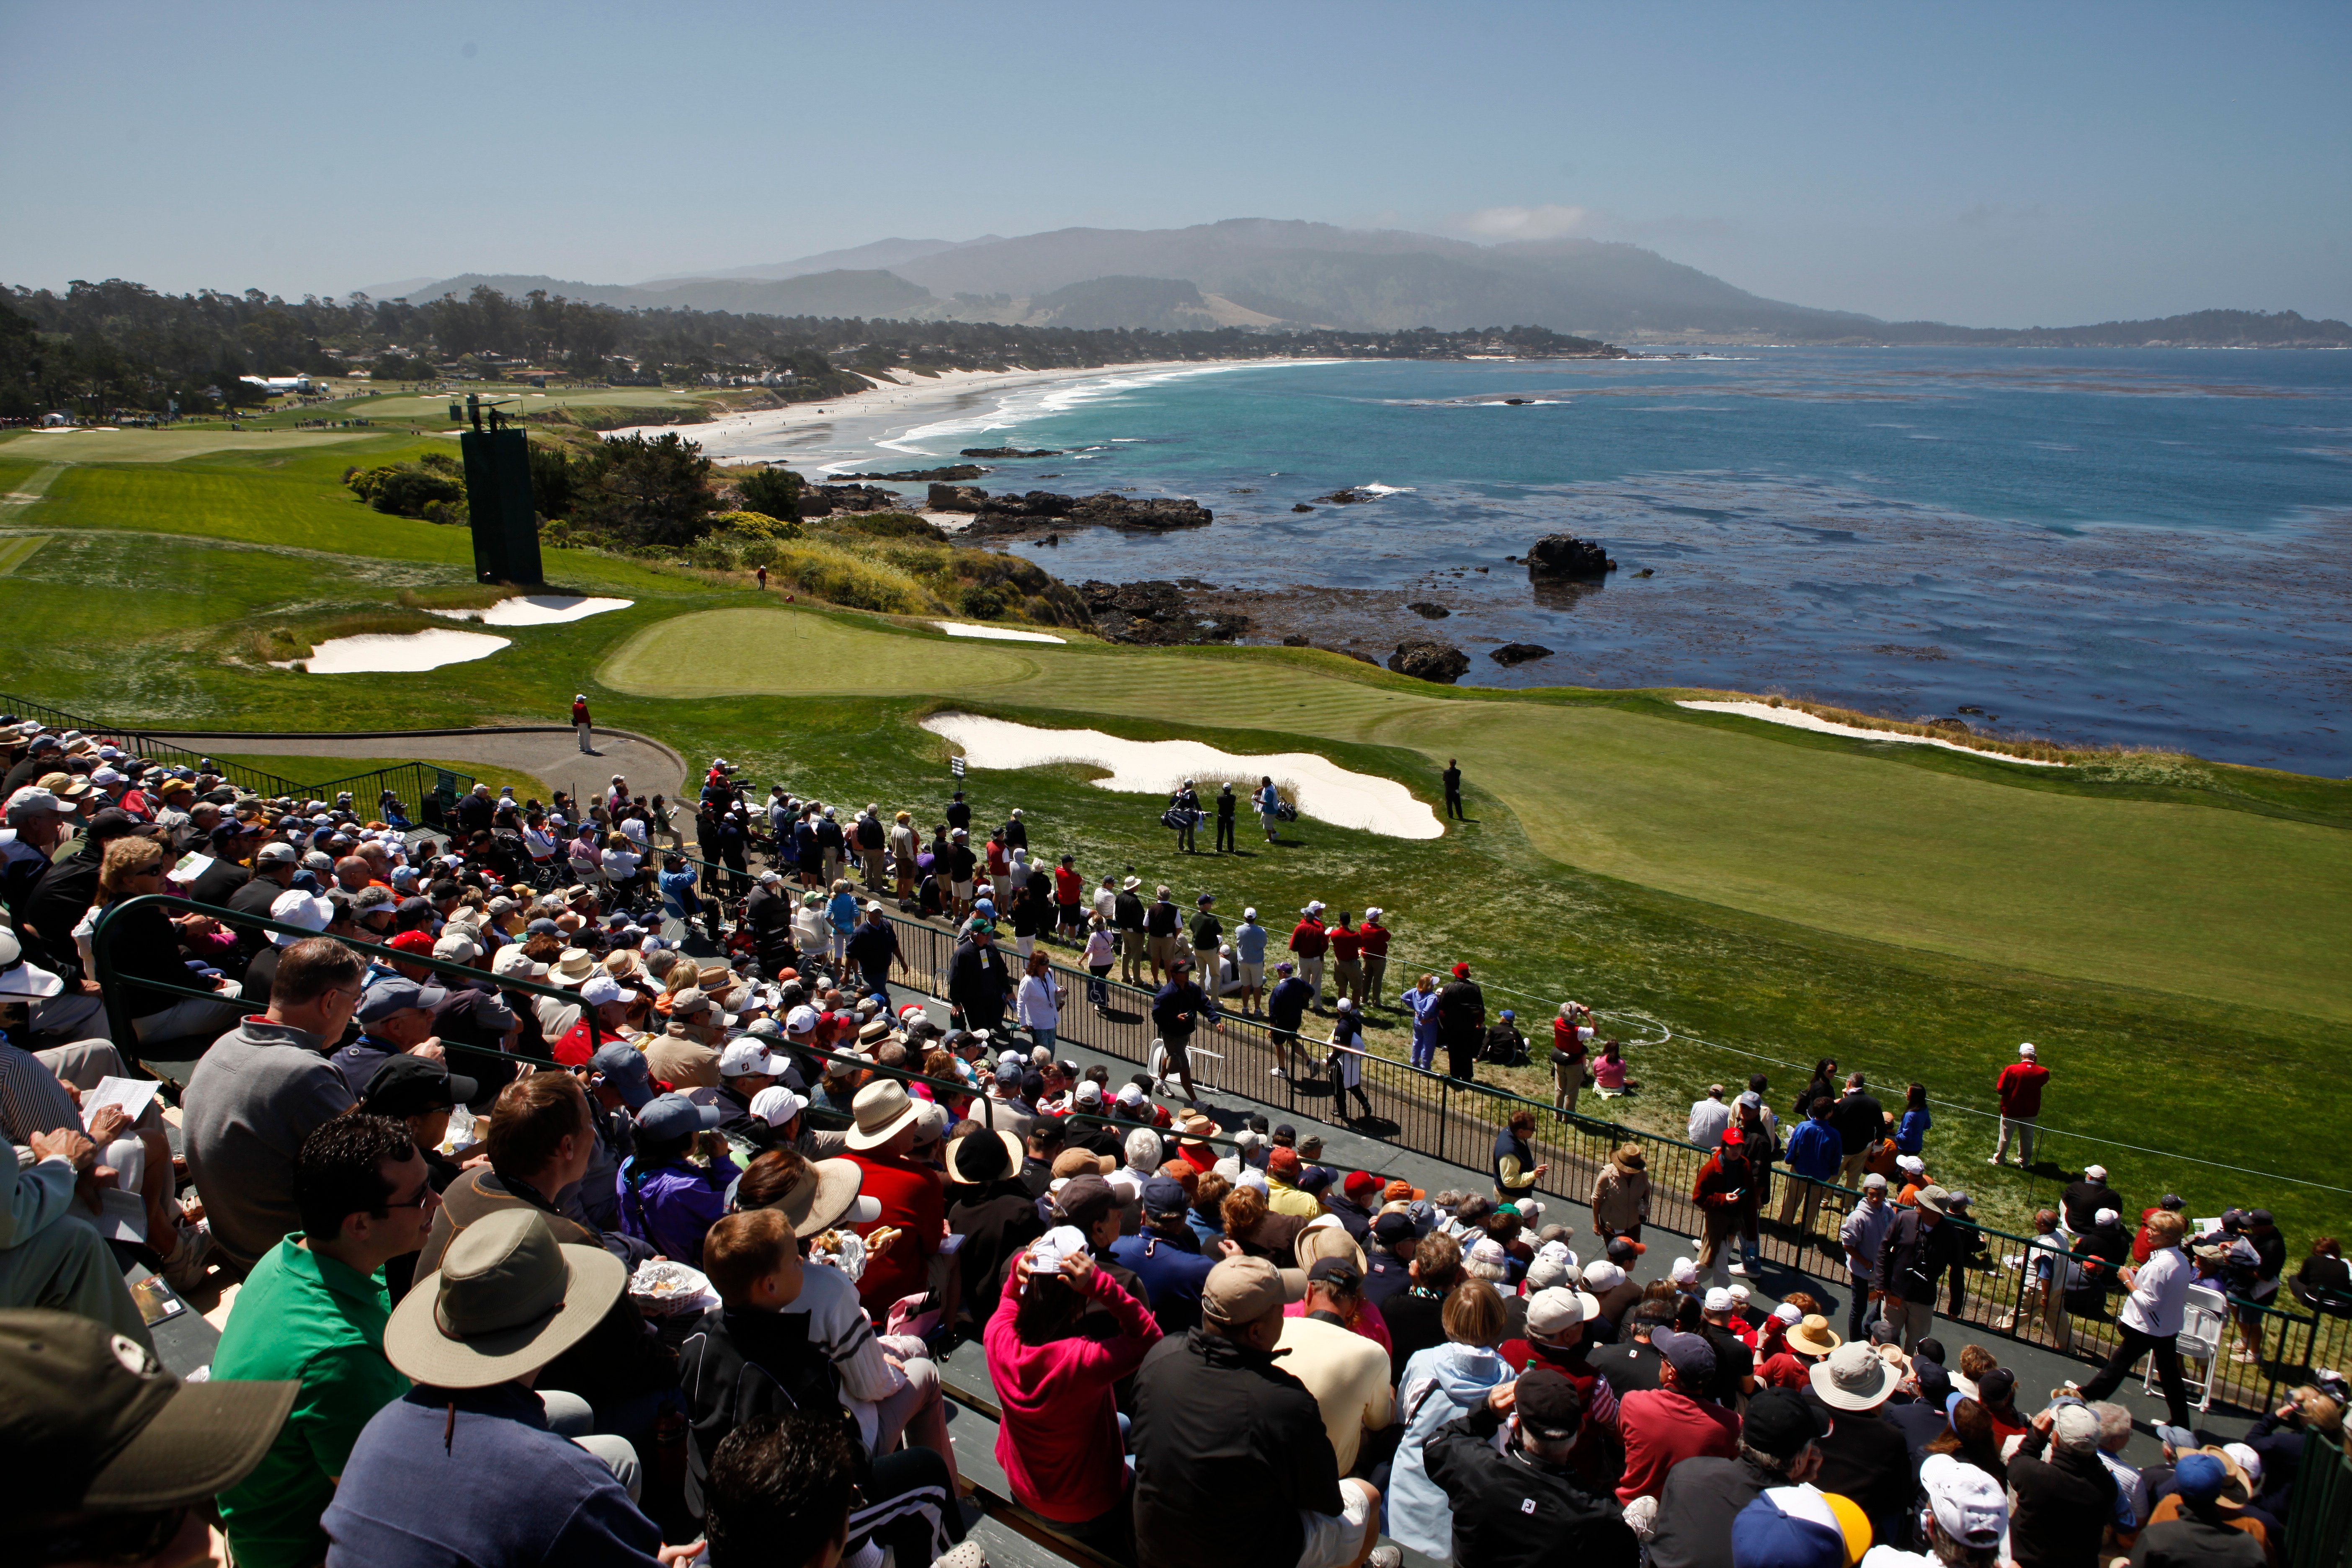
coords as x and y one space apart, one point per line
550 754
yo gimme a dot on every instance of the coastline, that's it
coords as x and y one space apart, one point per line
865 429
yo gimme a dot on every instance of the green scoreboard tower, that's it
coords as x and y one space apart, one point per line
498 498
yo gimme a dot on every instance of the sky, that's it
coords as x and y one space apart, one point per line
1991 164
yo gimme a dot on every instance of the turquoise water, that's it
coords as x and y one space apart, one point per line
2143 547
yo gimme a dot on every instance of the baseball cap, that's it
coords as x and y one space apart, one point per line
1558 1308
276 852
1799 1527
1689 1354
747 1054
674 1116
415 1086
599 989
1050 1251
396 994
800 1020
1874 1182
2201 1477
1339 1268
1718 1299
1085 1199
1547 1403
92 1420
1244 1289
1968 1503
626 1071
1780 1421
776 1104
1391 1228
33 797
1164 1195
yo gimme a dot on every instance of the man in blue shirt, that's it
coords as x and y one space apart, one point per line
395 1016
1168 1257
1249 957
464 1467
1814 1152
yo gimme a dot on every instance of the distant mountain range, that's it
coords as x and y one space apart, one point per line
1268 272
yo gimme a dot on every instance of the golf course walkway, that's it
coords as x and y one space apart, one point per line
547 751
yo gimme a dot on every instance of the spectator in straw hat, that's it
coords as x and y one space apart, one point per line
464 1466
913 1206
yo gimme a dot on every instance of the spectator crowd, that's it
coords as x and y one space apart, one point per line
551 1242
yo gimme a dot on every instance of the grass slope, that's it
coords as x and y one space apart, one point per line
1840 841
2171 937
327 770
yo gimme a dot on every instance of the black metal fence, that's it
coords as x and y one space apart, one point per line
2319 1528
1456 1121
425 792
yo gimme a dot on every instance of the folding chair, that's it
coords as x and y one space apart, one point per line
2204 1325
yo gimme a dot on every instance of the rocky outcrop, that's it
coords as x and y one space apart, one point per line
823 500
1559 556
1037 509
1520 653
1348 498
1006 452
1425 660
1300 506
1156 613
1427 611
953 471
956 497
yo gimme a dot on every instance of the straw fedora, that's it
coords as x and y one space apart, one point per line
973 1160
883 1110
507 1300
1813 1336
823 1195
576 964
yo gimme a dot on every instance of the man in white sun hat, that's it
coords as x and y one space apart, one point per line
885 1128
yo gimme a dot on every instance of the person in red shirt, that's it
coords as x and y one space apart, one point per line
579 721
1308 943
912 1202
1662 1426
1374 938
1348 961
1809 1340
1069 897
2019 1088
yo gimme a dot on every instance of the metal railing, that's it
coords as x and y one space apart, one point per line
1456 1121
425 791
2319 1527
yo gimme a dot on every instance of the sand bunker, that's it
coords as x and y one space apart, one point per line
382 651
1797 718
537 610
998 634
1325 791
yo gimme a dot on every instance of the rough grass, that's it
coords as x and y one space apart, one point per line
318 770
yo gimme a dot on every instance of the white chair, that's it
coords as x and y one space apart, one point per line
2204 1324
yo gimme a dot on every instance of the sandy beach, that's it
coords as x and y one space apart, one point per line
921 421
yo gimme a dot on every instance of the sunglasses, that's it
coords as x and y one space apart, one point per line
426 1198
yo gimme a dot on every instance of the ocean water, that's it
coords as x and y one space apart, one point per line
2138 547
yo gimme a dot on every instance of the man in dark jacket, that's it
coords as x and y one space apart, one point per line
1286 1010
2082 1200
768 916
977 982
1779 1445
1860 1121
1866 1456
874 948
1524 1507
1178 1009
2064 1503
1461 1022
1127 917
1232 1462
1920 1246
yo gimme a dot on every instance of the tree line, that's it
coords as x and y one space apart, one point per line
118 345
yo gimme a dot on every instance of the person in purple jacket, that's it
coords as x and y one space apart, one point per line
667 1200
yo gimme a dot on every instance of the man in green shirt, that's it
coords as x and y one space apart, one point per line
314 1311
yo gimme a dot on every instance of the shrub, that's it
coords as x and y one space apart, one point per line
983 604
774 492
839 577
646 493
758 525
405 489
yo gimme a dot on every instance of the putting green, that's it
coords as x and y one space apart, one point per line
2239 908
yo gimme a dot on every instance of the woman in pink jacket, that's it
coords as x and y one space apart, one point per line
1060 1442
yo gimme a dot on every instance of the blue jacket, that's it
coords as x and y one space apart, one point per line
1172 1278
1815 1151
492 1485
1442 1384
673 1208
1912 1131
1285 1005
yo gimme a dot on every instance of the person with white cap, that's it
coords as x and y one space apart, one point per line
579 721
1310 941
2019 1086
1963 1525
2065 1503
2083 1199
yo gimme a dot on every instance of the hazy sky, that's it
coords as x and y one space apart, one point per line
1982 164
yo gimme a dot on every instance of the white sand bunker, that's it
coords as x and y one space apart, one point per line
996 634
1797 718
537 610
1324 790
381 651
